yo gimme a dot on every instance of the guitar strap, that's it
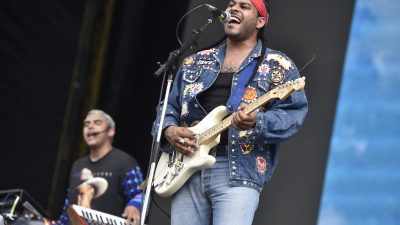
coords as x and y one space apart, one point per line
237 94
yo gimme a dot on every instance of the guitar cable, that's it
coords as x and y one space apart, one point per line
159 207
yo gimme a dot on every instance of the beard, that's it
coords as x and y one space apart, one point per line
245 31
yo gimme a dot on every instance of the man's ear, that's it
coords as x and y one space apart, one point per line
111 132
261 22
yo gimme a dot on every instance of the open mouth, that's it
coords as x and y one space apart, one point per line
235 20
91 134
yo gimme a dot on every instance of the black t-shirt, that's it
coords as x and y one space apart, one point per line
218 94
106 175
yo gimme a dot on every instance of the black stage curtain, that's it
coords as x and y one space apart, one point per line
38 50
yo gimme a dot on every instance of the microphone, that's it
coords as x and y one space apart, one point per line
224 16
99 132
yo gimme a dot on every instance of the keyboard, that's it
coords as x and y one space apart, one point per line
83 216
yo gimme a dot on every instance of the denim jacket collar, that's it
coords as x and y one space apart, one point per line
219 54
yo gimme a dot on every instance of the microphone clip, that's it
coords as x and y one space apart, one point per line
223 16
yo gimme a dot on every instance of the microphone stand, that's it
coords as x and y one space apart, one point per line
170 63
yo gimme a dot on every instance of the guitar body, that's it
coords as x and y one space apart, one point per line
174 169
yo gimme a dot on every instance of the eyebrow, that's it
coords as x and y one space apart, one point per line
95 121
240 3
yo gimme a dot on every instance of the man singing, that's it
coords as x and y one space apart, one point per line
228 192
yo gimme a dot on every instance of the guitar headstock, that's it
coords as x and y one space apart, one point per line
284 90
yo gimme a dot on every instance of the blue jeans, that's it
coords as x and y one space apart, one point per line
207 199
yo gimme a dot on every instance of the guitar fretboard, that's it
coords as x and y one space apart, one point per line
225 123
281 92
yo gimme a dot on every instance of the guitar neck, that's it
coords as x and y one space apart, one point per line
227 122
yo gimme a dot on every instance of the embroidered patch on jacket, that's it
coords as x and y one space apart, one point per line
246 148
250 94
277 75
190 76
207 52
205 62
261 164
263 69
188 61
282 60
192 89
184 110
243 133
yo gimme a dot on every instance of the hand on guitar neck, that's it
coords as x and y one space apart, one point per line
181 139
243 121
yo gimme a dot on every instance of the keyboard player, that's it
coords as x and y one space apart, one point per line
107 179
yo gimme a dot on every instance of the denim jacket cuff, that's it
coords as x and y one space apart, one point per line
164 144
258 128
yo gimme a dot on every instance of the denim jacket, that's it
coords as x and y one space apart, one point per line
253 153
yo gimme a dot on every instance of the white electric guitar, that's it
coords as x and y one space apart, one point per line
174 169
